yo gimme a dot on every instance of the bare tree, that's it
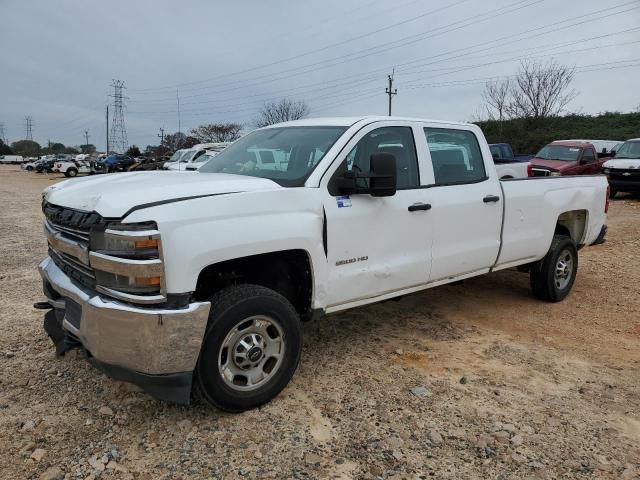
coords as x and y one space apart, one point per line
541 90
496 97
282 111
217 132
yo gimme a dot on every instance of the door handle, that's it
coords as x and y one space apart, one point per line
419 206
491 198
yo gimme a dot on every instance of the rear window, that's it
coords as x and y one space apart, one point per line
455 155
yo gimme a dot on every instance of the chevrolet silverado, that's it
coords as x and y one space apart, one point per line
199 282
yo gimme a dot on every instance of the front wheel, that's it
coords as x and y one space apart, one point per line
29 168
552 277
250 350
71 172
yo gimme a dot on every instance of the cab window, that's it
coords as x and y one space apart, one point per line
395 140
455 155
588 155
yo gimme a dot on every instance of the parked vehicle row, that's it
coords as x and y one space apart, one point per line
351 211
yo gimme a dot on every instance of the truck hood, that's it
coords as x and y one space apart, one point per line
622 163
113 195
556 165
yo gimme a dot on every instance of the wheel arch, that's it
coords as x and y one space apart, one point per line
573 223
288 272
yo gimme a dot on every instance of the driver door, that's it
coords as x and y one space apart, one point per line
378 245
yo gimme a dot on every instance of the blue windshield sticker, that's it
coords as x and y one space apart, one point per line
343 201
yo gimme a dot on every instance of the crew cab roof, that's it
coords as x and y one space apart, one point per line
349 121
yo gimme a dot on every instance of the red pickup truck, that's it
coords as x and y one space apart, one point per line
567 158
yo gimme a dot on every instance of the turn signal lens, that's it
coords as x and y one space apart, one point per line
147 281
153 243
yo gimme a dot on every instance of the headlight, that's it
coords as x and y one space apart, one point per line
554 174
127 261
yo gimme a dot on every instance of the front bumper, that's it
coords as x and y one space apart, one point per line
128 342
628 186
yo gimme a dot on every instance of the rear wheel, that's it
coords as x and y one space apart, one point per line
29 168
552 277
71 172
250 350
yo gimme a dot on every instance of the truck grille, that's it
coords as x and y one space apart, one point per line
74 225
625 174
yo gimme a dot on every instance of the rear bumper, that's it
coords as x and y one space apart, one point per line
146 346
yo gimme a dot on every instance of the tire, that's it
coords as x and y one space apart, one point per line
29 168
71 172
548 282
250 321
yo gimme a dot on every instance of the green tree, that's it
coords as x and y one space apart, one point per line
5 149
26 148
57 147
134 151
88 148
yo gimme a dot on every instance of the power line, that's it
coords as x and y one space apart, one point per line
433 33
413 18
118 128
471 20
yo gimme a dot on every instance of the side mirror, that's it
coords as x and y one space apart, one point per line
383 177
380 181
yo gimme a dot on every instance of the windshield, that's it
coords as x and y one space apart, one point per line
176 156
293 153
559 152
629 150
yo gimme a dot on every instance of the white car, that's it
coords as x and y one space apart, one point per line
202 281
72 168
623 170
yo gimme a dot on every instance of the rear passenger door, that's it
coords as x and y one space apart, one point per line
466 203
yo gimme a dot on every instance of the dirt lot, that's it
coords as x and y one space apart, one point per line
475 380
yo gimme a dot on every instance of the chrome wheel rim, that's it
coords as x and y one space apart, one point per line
251 353
564 269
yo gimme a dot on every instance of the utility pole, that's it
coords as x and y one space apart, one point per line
86 139
2 137
390 91
107 130
178 101
29 127
118 129
161 135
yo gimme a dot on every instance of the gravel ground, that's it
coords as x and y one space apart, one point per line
474 380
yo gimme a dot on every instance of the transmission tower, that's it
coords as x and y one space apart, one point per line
118 136
29 127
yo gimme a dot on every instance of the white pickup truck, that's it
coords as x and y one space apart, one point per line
200 281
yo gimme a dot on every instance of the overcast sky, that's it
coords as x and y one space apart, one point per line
227 58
